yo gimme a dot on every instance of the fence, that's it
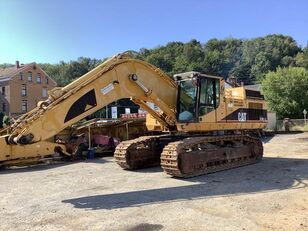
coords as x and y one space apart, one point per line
295 125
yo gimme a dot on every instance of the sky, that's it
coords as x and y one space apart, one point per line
50 31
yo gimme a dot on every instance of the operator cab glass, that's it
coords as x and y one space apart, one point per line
187 100
209 95
197 97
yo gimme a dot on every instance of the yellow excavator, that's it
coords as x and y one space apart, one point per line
203 126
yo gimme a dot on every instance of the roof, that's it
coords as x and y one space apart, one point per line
227 85
255 87
191 74
106 122
9 72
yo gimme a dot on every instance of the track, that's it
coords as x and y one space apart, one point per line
138 153
196 156
188 157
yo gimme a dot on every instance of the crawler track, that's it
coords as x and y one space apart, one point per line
184 157
138 153
201 155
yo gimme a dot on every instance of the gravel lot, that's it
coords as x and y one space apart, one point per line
99 195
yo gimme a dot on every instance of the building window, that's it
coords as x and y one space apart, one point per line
3 91
23 90
44 92
38 78
20 76
3 107
24 106
30 76
47 80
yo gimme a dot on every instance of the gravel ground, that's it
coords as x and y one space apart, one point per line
99 195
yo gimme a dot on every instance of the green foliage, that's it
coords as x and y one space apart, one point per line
221 56
248 60
5 121
286 91
267 53
64 73
302 58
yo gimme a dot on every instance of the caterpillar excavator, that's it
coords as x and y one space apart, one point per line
203 126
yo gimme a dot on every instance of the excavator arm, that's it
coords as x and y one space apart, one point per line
117 78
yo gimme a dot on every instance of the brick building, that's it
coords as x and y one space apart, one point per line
22 87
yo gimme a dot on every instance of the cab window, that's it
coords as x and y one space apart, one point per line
209 95
187 101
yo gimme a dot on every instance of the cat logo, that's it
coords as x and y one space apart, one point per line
242 116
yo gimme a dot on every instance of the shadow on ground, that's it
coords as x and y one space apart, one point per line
272 174
46 166
266 139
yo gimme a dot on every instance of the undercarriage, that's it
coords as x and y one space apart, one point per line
189 156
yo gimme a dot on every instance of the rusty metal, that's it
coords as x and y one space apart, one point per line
201 155
138 153
183 156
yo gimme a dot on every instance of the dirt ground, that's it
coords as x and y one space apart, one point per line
99 195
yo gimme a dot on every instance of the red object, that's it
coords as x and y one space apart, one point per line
103 140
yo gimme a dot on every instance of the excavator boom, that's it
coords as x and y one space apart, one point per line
120 77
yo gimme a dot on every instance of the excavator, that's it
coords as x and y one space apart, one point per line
201 125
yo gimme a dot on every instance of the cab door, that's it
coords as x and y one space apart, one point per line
187 101
208 100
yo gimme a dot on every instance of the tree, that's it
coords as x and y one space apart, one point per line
302 58
286 91
64 73
221 56
248 60
265 54
5 121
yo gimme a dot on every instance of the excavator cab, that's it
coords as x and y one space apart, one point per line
198 95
